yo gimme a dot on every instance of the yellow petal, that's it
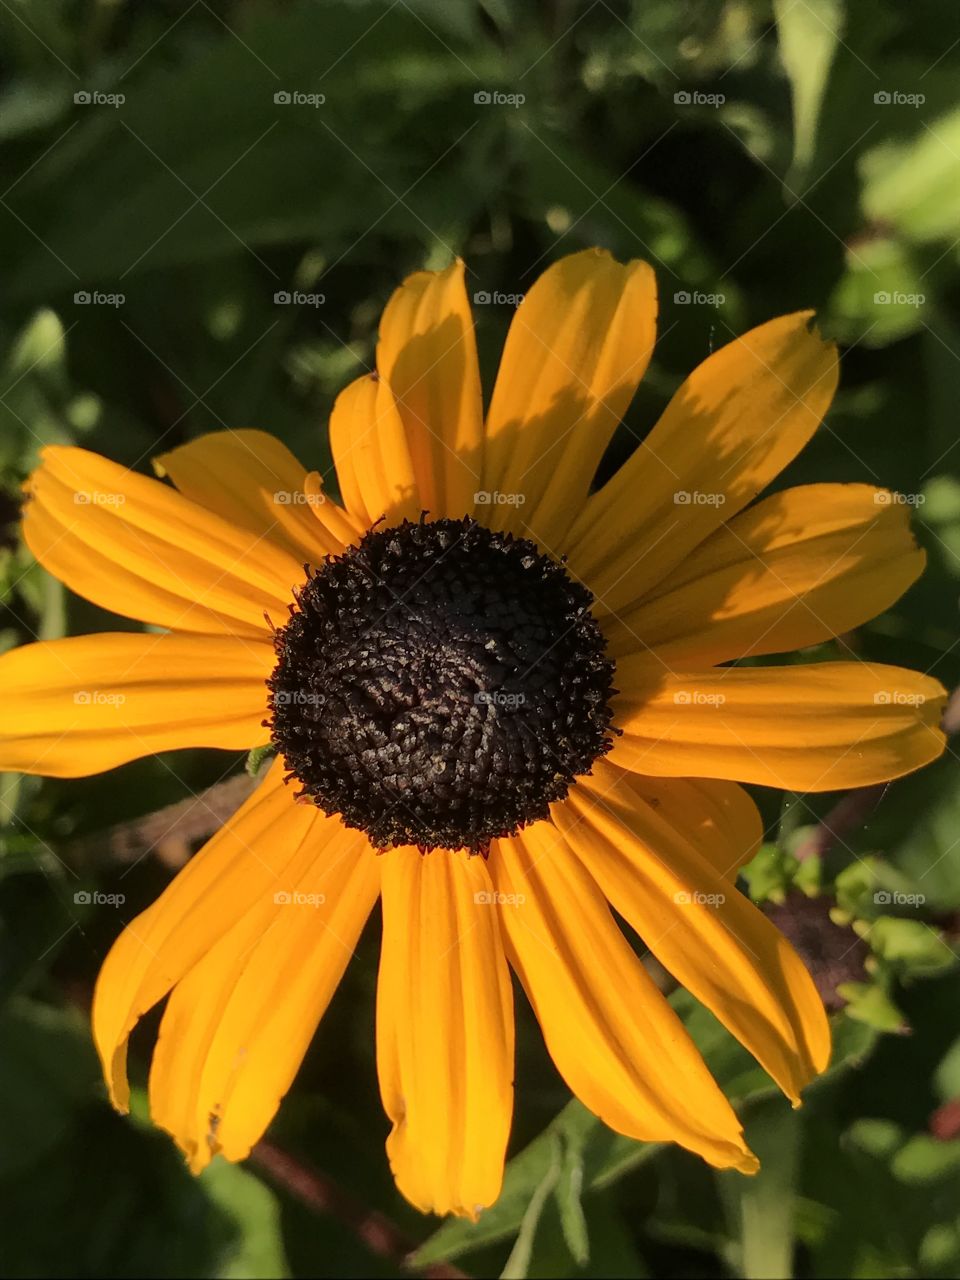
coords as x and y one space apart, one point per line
732 427
794 570
236 1028
720 819
428 356
137 547
337 522
372 457
712 939
819 727
577 348
256 483
614 1039
268 843
78 706
444 1031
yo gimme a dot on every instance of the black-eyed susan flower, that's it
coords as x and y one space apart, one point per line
501 704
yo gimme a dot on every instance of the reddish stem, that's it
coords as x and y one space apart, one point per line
318 1193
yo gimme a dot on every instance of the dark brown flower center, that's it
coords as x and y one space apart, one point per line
439 685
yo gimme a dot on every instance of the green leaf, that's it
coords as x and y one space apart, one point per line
808 33
141 187
770 873
919 836
870 1003
939 1251
794 815
35 393
568 1191
924 1159
947 1075
880 1138
761 1208
912 945
518 1264
915 186
47 1068
881 295
855 886
256 758
121 1196
256 1248
808 877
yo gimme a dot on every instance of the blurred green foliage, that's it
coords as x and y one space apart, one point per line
764 157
